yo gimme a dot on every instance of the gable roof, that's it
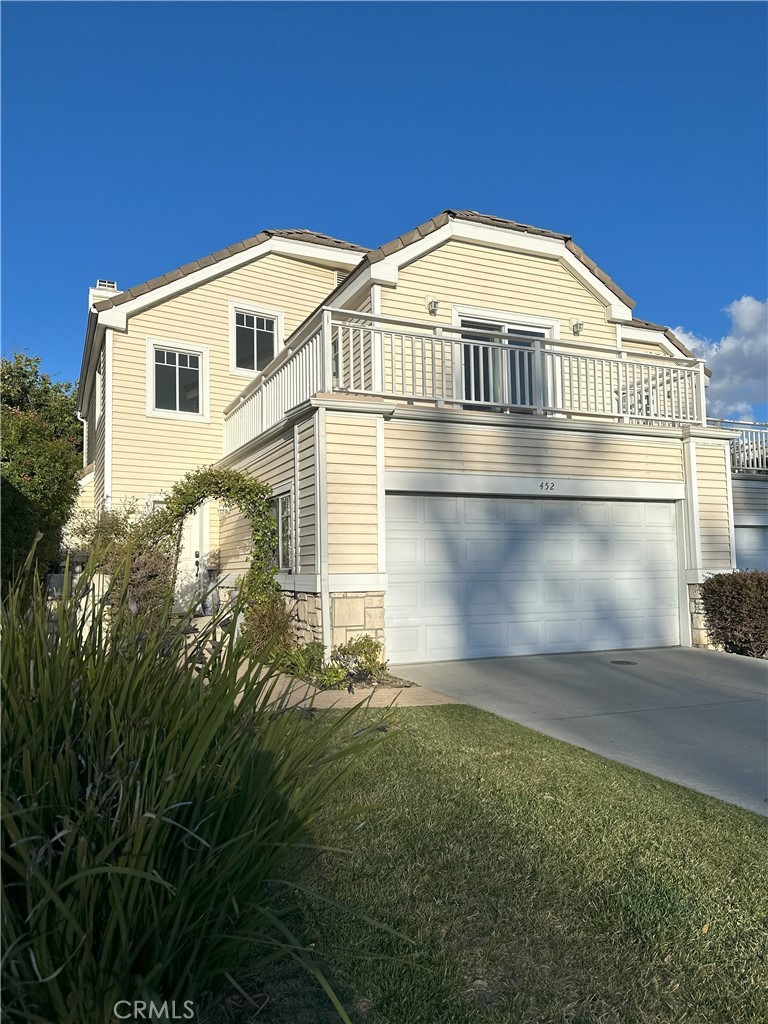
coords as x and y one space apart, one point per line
293 234
423 230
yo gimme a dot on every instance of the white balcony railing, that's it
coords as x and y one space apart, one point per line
749 447
355 353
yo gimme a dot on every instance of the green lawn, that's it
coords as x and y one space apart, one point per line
539 884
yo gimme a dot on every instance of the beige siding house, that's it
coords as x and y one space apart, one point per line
476 448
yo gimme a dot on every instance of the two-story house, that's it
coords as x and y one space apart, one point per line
475 448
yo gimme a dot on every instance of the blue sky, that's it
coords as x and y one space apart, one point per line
140 136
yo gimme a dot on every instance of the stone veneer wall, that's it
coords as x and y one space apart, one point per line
352 615
699 635
308 613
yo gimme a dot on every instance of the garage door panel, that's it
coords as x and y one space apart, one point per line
485 593
520 511
402 551
441 510
562 594
402 508
627 513
660 552
482 552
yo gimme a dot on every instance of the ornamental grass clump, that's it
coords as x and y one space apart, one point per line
158 798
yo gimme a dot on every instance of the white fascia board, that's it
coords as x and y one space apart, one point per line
529 486
327 255
117 317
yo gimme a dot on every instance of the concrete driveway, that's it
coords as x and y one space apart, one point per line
695 717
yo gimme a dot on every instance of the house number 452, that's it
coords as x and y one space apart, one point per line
547 485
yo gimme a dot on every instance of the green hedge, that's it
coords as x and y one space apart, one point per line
736 611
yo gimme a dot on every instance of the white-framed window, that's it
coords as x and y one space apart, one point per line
154 502
281 507
177 379
255 337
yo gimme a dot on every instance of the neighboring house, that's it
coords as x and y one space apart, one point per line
475 448
749 453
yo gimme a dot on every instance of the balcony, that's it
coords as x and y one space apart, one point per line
350 353
749 446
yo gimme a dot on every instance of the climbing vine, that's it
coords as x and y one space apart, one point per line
235 489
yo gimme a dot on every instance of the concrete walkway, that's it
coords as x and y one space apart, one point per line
699 718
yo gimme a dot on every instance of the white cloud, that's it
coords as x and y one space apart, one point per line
739 361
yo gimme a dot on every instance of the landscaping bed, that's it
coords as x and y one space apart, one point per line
538 884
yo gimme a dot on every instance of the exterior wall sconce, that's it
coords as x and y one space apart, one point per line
433 306
577 327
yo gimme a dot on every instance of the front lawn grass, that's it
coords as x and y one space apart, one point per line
539 884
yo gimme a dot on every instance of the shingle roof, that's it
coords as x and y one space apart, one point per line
294 234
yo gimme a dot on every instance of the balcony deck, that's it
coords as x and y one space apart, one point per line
414 362
749 446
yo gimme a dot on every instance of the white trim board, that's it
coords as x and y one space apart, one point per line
461 312
504 485
109 361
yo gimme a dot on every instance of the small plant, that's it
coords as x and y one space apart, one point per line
307 662
736 611
332 677
360 658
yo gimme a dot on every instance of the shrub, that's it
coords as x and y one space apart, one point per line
112 538
360 658
154 811
267 623
356 661
736 611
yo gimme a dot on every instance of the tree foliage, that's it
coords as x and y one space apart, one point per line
41 457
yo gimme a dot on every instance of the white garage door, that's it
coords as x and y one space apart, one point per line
752 547
483 577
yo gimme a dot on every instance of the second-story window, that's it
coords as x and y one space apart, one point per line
255 340
177 381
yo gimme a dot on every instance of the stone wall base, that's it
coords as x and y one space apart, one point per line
352 615
699 635
356 614
307 611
